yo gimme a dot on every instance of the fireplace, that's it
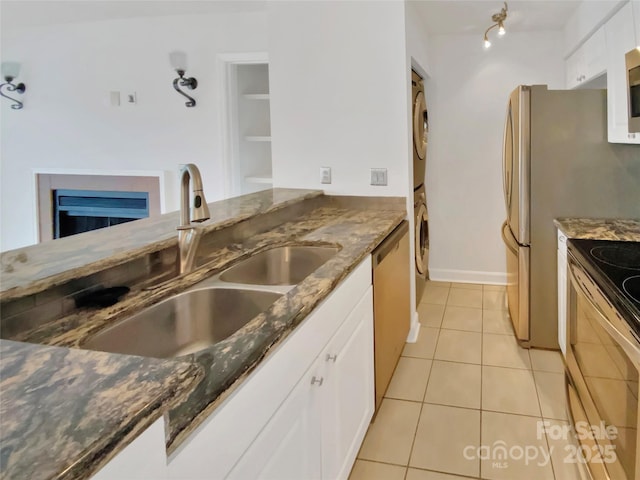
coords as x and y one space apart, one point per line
76 203
77 211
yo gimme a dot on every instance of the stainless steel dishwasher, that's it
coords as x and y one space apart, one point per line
391 304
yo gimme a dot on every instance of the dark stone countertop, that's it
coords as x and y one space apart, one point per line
356 225
64 413
600 228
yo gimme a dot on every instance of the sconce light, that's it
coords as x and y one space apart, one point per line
10 70
179 63
498 19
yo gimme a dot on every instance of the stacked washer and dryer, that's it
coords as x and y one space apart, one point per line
420 131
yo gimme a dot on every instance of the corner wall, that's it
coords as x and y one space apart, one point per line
339 96
468 95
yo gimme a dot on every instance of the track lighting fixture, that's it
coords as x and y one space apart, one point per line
498 19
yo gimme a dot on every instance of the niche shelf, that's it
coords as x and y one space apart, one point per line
253 171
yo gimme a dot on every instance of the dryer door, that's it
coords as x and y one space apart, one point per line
422 239
420 125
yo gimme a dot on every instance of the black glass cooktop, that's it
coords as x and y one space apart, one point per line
615 267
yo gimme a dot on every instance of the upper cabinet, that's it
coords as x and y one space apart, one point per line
622 32
588 62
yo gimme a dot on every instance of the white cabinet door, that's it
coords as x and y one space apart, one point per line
319 428
588 62
635 5
562 292
620 38
348 393
288 448
573 69
595 55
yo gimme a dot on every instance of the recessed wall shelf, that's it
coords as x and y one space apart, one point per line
258 138
256 96
259 179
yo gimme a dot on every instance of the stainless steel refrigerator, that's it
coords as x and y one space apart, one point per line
556 163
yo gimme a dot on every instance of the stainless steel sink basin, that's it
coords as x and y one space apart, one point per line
183 324
279 265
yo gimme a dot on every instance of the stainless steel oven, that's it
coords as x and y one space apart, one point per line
632 60
603 359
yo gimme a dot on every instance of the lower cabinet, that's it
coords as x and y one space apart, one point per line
303 412
317 431
300 415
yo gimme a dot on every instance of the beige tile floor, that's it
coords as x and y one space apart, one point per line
463 390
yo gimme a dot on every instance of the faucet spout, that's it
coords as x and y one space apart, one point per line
188 235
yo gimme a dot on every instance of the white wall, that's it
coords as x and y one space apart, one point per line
339 95
70 68
468 97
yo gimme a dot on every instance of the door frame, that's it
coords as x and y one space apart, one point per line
229 135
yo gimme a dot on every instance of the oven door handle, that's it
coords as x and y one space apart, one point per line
632 351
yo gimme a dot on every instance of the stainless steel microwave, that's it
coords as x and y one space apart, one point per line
632 59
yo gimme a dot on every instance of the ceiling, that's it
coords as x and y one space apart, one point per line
33 13
438 16
459 17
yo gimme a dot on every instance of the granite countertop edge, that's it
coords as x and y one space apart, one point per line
599 228
98 455
161 234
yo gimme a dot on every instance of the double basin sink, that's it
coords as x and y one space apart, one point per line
213 309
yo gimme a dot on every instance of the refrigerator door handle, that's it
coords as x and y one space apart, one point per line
507 159
507 239
524 162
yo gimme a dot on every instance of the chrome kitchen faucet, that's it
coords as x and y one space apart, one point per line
188 234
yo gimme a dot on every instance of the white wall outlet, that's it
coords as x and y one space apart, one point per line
325 174
378 176
114 99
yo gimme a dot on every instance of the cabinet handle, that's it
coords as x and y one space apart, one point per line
562 239
317 381
332 358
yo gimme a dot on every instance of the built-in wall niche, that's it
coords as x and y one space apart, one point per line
253 127
69 204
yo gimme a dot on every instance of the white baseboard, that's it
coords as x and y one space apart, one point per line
467 276
415 328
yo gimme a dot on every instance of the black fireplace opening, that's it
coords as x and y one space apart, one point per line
77 211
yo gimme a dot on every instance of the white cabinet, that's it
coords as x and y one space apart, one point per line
144 458
289 446
620 38
635 5
317 431
588 62
562 292
348 396
254 413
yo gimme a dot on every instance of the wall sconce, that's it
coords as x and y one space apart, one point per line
498 19
10 70
179 63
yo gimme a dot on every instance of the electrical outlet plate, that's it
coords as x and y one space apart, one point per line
378 176
325 174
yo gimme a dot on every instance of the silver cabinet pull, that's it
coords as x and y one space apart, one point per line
332 358
317 381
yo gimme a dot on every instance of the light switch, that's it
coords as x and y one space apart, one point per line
378 176
325 174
